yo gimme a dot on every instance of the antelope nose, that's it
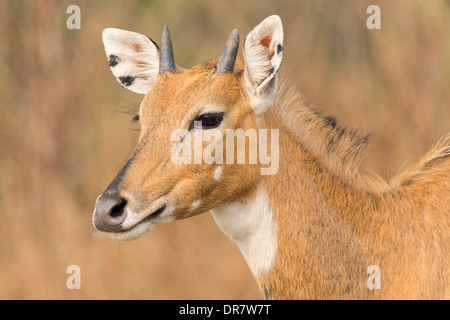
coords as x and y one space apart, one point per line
109 213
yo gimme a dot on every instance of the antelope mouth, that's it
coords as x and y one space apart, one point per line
151 216
148 218
139 228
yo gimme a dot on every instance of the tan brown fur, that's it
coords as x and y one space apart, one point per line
173 102
333 222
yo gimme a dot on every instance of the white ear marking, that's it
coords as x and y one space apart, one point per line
133 59
263 54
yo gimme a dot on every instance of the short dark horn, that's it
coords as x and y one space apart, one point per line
166 60
228 58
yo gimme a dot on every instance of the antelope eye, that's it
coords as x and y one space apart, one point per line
209 120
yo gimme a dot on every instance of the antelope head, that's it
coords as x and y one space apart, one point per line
208 99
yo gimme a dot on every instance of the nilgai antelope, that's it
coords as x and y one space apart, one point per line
314 227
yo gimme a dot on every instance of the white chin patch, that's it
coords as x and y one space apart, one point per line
134 233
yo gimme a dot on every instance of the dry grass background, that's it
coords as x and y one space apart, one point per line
62 139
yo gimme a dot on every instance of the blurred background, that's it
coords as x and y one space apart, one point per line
65 131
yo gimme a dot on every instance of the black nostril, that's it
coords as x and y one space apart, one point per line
117 210
109 213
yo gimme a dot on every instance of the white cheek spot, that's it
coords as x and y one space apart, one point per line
218 173
195 204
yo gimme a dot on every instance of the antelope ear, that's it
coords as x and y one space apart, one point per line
133 59
263 54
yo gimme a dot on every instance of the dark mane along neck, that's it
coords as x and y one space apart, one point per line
339 149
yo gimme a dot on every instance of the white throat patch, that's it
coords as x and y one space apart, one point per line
250 225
